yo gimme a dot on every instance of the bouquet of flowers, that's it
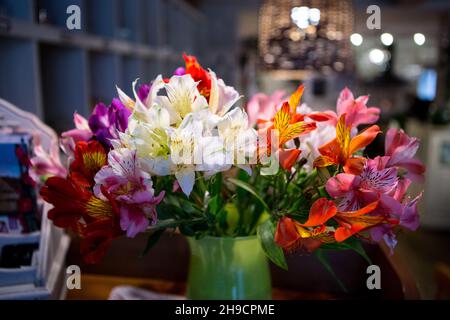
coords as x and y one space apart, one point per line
181 155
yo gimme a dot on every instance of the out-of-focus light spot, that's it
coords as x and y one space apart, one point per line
314 16
376 56
295 35
356 39
268 58
426 85
419 38
387 39
304 16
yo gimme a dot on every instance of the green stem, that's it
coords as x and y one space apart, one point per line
172 223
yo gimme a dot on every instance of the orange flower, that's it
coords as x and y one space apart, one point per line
310 235
350 222
291 235
340 150
287 125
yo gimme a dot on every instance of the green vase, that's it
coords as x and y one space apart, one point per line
228 268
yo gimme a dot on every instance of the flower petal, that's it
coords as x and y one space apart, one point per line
321 211
363 139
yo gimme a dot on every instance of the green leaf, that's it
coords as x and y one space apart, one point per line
250 189
266 233
216 184
152 240
215 204
320 254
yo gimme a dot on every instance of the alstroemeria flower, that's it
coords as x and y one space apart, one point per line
239 140
291 235
340 150
131 188
75 208
356 110
69 138
46 164
285 129
90 157
407 215
222 97
184 155
82 132
353 191
264 107
107 122
350 222
401 149
183 97
143 91
200 75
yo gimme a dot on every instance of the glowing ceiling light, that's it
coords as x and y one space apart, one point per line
356 39
304 16
419 38
387 39
376 56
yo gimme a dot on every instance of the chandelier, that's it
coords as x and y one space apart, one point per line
305 34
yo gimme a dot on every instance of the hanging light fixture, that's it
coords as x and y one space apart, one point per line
305 34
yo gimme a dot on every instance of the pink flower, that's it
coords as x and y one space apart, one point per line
356 110
45 163
354 192
82 132
131 188
263 107
378 181
401 149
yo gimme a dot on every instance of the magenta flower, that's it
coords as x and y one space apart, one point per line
401 149
355 192
131 188
180 71
143 91
106 122
356 110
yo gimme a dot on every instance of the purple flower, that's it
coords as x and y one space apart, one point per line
105 122
143 92
180 71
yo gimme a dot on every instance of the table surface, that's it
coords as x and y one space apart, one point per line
98 287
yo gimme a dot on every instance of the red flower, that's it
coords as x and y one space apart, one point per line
96 221
90 157
198 74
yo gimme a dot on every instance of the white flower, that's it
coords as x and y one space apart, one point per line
182 98
222 97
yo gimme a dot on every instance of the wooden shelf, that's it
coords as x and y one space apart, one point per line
64 70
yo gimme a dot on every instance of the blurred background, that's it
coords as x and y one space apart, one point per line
256 46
